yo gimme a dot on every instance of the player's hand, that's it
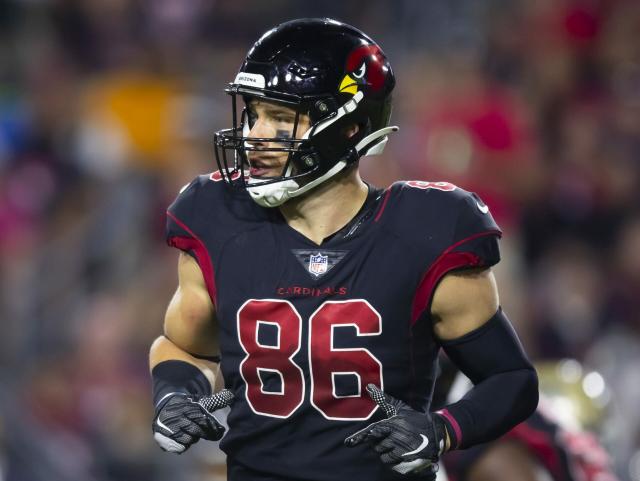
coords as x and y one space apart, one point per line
408 441
181 420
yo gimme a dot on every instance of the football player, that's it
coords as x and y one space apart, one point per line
324 299
556 443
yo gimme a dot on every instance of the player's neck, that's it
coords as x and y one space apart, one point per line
327 208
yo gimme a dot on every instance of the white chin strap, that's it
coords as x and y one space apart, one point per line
273 195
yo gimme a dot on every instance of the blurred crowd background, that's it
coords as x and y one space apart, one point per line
107 107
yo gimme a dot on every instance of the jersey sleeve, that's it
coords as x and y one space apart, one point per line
182 231
180 214
469 240
475 236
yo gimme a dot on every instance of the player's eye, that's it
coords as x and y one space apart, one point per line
283 118
280 116
361 71
283 134
252 117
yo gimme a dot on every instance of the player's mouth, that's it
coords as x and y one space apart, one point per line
264 167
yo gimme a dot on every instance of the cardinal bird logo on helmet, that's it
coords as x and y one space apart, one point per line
365 66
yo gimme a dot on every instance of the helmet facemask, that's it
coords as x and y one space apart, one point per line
303 168
232 146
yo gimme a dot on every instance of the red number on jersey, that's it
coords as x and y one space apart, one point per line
271 359
325 361
423 184
216 176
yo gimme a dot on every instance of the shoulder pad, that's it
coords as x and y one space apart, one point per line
197 204
447 217
182 214
208 201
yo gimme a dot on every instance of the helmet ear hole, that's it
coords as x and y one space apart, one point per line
362 130
349 131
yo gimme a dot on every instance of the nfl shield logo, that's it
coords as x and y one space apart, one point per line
318 264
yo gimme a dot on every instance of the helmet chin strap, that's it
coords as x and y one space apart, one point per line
271 195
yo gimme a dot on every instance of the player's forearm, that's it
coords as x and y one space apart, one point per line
164 349
493 407
506 384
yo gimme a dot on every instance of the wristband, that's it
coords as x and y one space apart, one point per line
175 376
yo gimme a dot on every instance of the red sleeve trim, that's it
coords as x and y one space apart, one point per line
384 204
454 424
446 262
201 253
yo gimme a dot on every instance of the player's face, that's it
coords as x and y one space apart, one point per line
270 119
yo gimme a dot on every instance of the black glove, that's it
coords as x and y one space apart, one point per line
182 419
408 441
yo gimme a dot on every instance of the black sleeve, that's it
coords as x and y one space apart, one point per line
505 388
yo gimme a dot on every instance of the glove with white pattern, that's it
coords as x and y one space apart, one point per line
408 441
182 419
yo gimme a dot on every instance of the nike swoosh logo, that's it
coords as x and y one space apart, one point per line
424 444
482 208
163 426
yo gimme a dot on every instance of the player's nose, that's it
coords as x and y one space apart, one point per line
261 129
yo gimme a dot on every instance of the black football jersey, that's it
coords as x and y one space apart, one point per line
304 327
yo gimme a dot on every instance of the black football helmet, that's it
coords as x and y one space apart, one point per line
328 70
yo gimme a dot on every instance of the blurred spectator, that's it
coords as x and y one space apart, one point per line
108 108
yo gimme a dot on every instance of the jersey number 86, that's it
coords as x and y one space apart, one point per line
325 361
